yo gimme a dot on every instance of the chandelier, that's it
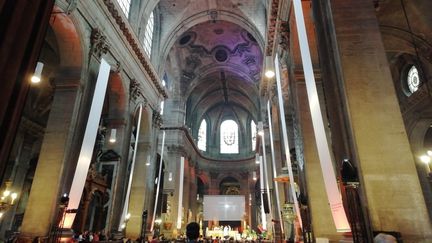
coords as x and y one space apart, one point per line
7 198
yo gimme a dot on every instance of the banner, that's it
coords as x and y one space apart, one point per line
333 194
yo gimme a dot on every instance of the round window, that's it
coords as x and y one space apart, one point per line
413 79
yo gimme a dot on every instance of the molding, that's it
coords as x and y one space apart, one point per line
272 21
271 27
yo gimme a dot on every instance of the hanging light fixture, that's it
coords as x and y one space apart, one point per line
257 160
8 197
148 160
254 176
269 67
37 75
113 135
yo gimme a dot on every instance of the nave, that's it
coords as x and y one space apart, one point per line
276 120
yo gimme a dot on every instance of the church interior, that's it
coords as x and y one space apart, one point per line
261 120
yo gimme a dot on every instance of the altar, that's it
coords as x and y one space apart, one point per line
221 233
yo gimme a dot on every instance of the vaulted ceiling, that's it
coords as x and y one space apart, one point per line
218 69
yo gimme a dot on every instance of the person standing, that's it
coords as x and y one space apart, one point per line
192 232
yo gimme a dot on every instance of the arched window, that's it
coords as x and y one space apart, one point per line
202 136
253 134
162 107
229 137
148 34
125 6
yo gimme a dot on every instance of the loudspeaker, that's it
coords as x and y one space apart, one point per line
348 172
266 203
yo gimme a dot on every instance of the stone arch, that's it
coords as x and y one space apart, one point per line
417 141
68 33
230 186
116 95
236 176
398 40
205 178
417 135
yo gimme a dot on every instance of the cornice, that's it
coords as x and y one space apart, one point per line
133 42
272 21
271 26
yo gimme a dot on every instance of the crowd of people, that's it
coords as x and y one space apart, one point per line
192 236
88 236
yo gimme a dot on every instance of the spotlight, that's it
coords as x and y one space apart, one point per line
36 78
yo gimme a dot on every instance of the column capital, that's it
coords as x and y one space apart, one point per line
157 119
99 43
135 92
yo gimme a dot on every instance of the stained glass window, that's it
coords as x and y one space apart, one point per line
229 137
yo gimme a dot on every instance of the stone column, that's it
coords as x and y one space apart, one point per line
187 187
250 200
213 184
393 194
174 154
254 210
142 188
192 201
118 188
176 110
135 95
322 220
42 202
